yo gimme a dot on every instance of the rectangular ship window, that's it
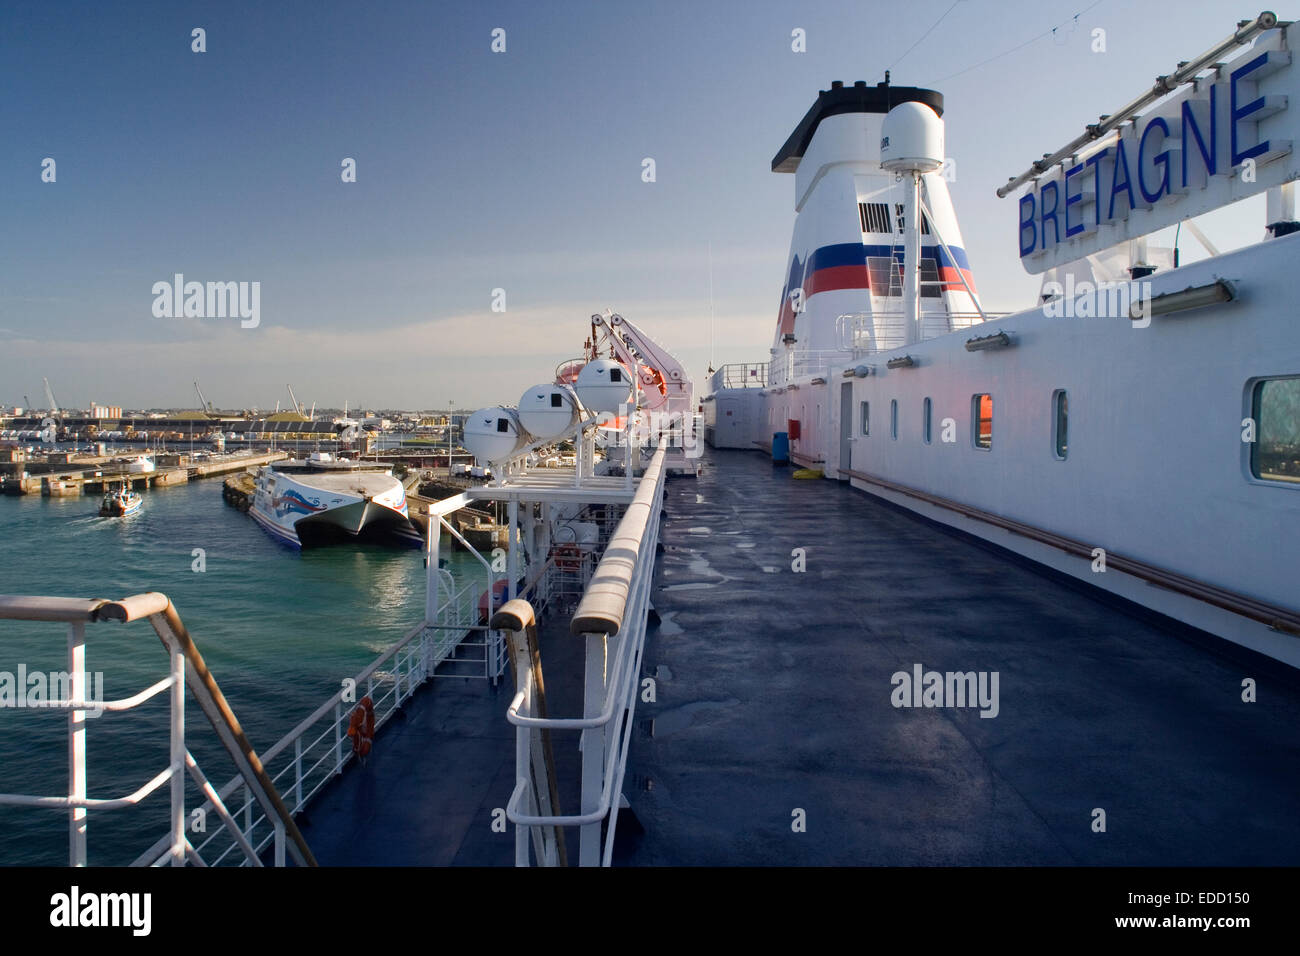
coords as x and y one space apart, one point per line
982 420
866 417
925 420
930 288
1275 453
1060 423
885 276
893 419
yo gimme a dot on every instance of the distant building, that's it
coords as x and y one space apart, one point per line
105 411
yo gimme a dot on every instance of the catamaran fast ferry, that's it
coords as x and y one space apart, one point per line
1139 428
323 499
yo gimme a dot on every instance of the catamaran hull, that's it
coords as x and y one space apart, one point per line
299 515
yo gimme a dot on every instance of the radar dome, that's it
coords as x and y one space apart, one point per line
604 385
548 411
493 434
911 138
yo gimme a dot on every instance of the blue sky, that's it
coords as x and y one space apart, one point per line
478 171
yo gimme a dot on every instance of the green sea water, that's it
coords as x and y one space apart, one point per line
278 628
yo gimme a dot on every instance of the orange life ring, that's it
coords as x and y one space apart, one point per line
361 728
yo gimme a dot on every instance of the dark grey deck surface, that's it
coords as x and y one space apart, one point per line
438 771
774 694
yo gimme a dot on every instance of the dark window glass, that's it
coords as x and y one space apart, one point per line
930 288
1060 425
1275 453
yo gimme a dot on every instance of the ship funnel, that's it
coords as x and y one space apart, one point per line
911 139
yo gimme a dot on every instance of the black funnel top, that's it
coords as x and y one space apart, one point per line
858 98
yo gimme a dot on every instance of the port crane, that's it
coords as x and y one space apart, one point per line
205 406
49 397
53 420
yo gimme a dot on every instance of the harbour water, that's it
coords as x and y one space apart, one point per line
279 629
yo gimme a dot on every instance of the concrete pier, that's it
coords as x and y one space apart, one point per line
97 476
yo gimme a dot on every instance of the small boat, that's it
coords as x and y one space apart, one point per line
120 503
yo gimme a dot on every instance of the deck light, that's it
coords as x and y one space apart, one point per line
998 340
1195 297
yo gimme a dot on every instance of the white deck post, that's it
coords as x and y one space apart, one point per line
178 755
432 542
593 748
77 745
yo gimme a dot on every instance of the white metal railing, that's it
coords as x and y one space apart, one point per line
612 621
803 363
187 668
739 375
866 332
318 749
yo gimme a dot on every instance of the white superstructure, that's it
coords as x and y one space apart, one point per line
1142 436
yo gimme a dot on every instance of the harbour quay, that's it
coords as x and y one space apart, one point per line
58 474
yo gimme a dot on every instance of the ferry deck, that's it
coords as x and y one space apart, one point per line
773 695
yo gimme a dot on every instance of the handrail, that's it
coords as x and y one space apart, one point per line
189 667
612 619
418 652
214 705
96 803
602 606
